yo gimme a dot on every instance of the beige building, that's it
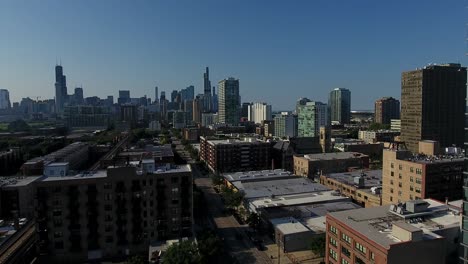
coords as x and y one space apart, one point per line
313 165
408 176
363 187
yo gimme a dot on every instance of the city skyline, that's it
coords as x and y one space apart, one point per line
314 50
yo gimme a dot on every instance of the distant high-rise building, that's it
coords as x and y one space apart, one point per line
207 91
156 94
229 101
61 94
214 100
340 105
187 93
4 99
78 96
285 125
311 116
124 97
464 226
174 95
300 102
197 109
110 100
245 110
433 105
258 112
386 108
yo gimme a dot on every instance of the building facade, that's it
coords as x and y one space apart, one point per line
310 117
313 165
340 105
4 99
285 125
386 108
230 155
258 112
433 105
408 177
424 231
229 101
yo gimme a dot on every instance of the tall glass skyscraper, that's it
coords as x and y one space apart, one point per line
229 101
340 105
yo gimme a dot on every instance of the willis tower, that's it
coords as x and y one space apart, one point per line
60 89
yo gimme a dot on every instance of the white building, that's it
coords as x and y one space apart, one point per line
258 112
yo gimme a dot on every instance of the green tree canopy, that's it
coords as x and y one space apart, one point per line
18 126
184 252
317 245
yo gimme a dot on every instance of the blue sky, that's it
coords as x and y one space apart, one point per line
280 50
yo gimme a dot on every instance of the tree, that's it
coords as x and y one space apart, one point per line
317 245
18 125
254 221
217 179
210 246
232 198
184 252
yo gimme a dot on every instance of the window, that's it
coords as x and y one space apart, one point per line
399 176
359 261
361 248
57 213
57 222
108 207
391 166
346 238
174 180
109 239
392 173
107 197
400 167
391 199
391 190
58 245
332 241
411 188
346 252
108 228
333 229
175 191
411 179
391 182
344 261
372 256
411 169
400 184
58 234
418 181
107 186
419 171
333 254
418 190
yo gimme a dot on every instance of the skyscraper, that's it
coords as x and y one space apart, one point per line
229 101
310 117
156 94
78 96
4 99
124 97
61 94
340 105
207 101
285 125
215 100
258 112
433 105
197 109
386 108
174 96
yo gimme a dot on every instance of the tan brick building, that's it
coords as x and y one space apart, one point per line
426 175
312 165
